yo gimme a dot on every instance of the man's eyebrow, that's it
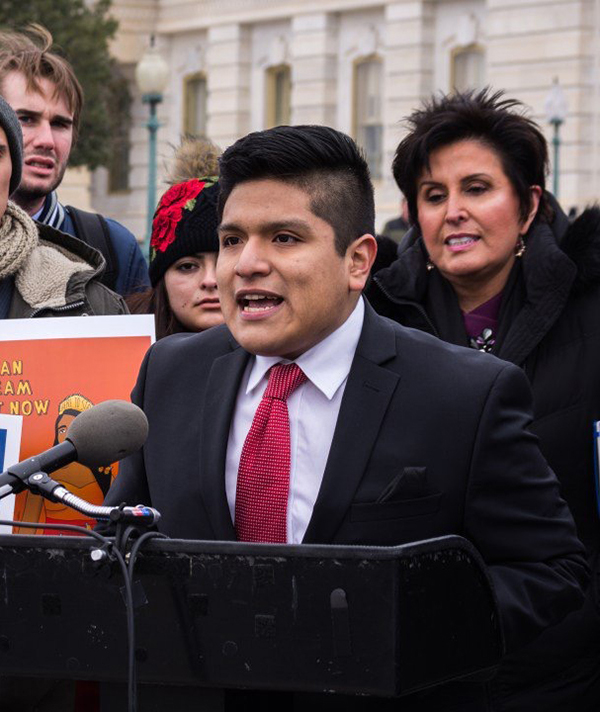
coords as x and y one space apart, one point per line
38 114
223 227
273 226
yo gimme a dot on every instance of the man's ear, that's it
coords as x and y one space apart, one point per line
360 256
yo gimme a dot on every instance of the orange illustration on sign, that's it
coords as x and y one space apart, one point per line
49 382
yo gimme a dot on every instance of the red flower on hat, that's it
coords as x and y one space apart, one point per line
170 210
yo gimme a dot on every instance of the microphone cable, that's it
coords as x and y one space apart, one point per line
132 662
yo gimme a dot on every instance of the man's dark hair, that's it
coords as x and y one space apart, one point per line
325 163
483 116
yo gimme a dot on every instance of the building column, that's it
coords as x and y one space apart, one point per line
314 49
228 60
409 56
530 45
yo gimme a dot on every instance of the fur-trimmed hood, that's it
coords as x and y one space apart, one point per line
62 278
57 270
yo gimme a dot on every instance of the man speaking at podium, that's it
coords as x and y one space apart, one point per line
308 418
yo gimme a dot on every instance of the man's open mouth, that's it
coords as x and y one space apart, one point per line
253 303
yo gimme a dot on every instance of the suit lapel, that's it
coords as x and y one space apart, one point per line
368 392
221 392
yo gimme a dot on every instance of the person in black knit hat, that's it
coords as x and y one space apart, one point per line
184 246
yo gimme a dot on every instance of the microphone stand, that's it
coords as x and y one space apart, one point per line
42 484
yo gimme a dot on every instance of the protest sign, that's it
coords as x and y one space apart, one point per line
53 369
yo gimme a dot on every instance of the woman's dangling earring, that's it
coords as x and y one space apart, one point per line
521 247
429 265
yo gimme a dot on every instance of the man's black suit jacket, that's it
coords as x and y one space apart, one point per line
411 401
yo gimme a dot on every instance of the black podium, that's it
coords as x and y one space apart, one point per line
367 620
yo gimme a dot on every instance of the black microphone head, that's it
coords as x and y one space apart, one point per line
108 432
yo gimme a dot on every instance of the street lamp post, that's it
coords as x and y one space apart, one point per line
556 112
151 76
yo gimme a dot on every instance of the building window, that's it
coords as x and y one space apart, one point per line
468 68
195 101
278 95
368 121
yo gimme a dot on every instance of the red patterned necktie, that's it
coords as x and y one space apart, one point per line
264 474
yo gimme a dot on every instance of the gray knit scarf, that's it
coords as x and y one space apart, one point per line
18 238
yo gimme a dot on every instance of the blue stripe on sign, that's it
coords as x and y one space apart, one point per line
2 447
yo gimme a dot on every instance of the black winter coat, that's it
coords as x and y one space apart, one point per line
549 325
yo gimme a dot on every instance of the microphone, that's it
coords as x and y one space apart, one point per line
105 433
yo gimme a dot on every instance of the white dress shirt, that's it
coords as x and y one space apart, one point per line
313 410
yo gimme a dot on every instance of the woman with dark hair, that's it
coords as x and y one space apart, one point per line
184 247
491 262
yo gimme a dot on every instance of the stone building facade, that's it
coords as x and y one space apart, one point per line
358 65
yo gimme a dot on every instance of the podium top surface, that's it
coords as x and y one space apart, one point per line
200 546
